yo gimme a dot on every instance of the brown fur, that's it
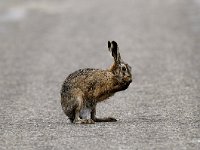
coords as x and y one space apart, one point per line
84 88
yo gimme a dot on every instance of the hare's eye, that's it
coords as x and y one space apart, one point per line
123 68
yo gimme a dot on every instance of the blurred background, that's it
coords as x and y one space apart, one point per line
41 42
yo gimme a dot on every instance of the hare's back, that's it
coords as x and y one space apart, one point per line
81 73
77 78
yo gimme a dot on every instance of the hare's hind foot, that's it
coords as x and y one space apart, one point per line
107 119
83 121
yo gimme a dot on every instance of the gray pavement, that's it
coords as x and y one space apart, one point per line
41 42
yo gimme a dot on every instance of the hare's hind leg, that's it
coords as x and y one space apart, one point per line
80 112
68 107
106 119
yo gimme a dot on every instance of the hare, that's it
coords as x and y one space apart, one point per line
83 89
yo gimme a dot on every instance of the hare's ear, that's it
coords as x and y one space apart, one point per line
113 48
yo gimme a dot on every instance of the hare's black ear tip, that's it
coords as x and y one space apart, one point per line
113 42
109 44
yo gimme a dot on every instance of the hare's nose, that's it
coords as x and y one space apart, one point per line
129 76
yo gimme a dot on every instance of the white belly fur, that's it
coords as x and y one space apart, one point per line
85 113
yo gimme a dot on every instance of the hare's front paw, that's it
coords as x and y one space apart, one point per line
84 121
89 121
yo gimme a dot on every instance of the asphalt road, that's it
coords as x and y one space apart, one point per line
41 42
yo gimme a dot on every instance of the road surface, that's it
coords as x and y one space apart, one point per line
41 42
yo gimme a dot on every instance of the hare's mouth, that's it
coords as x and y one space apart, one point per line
129 82
128 79
126 84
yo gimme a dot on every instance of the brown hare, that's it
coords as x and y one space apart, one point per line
83 89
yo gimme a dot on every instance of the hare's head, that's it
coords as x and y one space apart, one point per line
120 68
